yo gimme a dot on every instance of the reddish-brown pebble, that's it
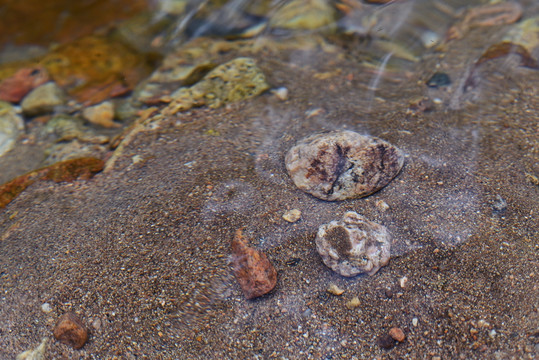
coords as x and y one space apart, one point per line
71 331
15 87
254 271
397 334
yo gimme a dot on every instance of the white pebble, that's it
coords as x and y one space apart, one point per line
492 333
46 308
482 323
382 205
403 281
136 159
292 215
281 93
353 303
430 39
415 321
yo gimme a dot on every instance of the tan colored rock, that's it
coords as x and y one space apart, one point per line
34 354
71 331
301 14
353 303
292 215
11 127
101 114
43 99
335 290
252 268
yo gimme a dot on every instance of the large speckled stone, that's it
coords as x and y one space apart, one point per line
353 245
342 164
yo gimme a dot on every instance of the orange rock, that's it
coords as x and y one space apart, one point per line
95 68
397 334
69 170
254 271
70 330
101 114
62 21
15 87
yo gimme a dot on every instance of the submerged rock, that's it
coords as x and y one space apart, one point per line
69 170
306 15
233 81
34 354
95 68
342 164
67 128
353 245
71 331
292 215
15 87
254 271
43 99
397 334
526 34
101 114
11 126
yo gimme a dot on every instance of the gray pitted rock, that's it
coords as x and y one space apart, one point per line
353 245
340 165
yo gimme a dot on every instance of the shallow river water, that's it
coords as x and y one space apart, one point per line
141 252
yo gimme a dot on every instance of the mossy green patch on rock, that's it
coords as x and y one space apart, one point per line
233 81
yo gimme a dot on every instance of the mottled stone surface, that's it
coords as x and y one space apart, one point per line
43 99
342 164
233 81
71 331
254 271
353 245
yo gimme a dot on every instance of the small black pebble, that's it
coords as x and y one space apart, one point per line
389 293
385 341
293 261
439 79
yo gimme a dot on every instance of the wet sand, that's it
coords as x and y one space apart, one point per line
142 251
